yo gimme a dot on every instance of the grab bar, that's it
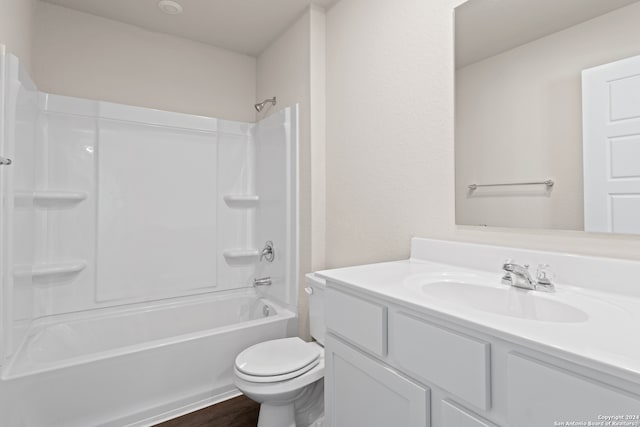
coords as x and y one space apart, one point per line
549 183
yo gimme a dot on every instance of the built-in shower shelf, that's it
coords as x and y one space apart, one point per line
241 200
51 198
50 270
241 255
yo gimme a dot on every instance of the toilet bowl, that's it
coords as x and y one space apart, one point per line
286 376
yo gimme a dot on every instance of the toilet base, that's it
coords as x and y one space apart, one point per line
298 402
277 416
304 410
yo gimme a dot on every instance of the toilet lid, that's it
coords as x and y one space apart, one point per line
276 378
277 357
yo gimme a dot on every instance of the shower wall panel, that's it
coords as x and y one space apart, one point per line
18 122
237 200
137 216
157 195
24 180
65 206
276 216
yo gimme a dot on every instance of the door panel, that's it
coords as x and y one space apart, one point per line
611 144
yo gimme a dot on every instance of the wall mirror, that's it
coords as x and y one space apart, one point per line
548 114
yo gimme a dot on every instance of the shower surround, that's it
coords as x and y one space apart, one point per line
130 239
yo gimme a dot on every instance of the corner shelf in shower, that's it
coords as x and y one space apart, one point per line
241 200
51 198
42 271
240 256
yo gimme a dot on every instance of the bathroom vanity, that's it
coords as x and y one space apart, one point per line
438 340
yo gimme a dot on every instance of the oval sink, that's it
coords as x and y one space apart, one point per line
506 301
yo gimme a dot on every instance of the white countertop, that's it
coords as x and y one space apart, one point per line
607 339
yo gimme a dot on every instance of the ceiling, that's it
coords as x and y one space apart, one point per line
488 27
244 26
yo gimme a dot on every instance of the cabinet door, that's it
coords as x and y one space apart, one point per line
362 392
544 395
454 415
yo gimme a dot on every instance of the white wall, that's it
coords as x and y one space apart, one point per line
292 68
390 146
16 21
529 126
82 55
389 127
318 126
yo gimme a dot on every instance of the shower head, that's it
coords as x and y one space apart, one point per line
259 107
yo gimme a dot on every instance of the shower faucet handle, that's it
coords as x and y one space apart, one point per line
268 252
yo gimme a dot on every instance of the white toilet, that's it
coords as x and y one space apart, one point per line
286 376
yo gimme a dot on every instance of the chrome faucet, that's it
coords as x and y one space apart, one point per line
518 275
268 252
263 281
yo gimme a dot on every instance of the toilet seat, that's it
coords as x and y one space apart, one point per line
281 387
277 360
275 378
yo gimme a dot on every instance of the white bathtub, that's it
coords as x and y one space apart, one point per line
135 366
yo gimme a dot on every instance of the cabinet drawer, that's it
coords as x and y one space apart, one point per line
457 363
361 322
453 415
541 394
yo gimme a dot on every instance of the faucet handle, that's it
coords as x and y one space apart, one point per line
544 274
268 252
509 265
506 276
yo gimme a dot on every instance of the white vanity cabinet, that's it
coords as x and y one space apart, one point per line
390 365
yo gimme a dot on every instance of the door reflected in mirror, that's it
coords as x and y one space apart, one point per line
548 114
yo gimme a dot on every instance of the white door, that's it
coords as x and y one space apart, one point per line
362 392
611 144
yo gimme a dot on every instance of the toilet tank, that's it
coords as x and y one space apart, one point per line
316 290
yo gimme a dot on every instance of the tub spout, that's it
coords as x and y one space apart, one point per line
263 281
